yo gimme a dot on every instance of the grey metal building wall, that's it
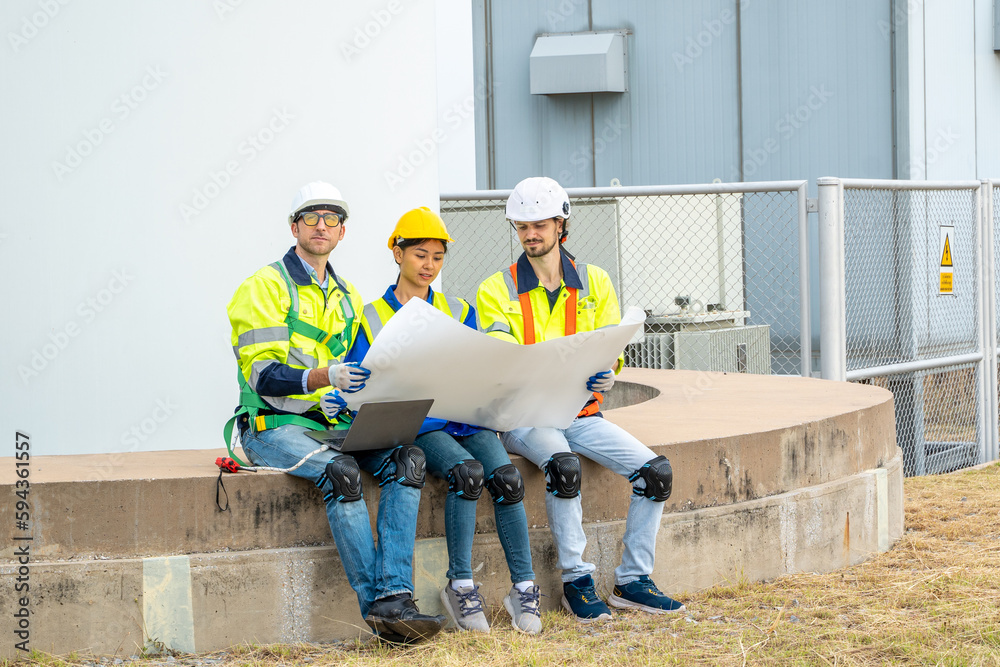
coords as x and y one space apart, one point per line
727 89
735 90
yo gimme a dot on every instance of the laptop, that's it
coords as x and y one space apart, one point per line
381 425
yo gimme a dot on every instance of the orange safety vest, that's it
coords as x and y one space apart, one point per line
528 319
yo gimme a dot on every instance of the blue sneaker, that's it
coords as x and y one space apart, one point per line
644 595
580 599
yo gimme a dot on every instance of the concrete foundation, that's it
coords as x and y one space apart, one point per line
772 475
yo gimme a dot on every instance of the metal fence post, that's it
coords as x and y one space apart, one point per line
805 319
991 435
833 317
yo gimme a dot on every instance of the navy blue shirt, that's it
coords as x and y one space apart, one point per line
361 346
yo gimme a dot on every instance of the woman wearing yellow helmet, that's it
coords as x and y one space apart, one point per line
467 457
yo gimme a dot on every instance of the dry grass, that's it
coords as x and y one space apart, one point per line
933 599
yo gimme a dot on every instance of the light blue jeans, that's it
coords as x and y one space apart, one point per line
372 572
618 451
443 453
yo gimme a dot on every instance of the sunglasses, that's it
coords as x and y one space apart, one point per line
329 219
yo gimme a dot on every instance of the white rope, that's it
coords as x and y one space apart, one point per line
305 458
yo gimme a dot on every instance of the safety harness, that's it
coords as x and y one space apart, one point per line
528 319
251 403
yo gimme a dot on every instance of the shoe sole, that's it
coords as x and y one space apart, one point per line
509 606
408 630
581 619
622 603
451 615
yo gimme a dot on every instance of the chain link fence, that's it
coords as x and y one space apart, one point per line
720 271
912 298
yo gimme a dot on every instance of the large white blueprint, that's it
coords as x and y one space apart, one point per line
477 379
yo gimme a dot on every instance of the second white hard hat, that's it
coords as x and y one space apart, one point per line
317 194
537 198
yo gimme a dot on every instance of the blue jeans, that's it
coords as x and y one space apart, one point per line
443 453
372 572
615 449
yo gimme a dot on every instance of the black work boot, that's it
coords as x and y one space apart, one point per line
395 618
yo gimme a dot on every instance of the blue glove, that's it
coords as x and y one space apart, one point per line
332 404
349 377
601 382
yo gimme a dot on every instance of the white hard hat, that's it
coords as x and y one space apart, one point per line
318 194
537 198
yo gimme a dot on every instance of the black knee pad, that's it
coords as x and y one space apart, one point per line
659 478
563 475
411 467
505 485
345 476
465 479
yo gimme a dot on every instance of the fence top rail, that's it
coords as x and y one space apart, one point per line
645 190
887 184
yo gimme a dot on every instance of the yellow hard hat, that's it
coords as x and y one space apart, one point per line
420 223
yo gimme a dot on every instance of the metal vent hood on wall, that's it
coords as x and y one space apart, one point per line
579 62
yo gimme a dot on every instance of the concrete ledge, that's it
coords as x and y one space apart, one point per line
772 475
300 594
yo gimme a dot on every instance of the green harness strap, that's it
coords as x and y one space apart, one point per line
336 346
250 401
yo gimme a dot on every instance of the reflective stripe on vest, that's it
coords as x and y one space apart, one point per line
528 320
378 313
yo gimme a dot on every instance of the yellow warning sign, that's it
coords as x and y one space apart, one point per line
946 283
946 253
946 271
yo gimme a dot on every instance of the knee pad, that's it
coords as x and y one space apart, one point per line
465 479
505 485
411 467
659 478
345 476
563 475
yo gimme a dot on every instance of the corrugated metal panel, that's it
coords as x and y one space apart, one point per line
534 135
817 89
950 132
987 91
681 108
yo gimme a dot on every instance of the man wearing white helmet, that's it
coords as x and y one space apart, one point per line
292 322
546 295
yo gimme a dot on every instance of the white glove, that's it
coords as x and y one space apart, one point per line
349 377
601 382
332 404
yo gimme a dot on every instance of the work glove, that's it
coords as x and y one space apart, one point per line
332 404
349 377
601 382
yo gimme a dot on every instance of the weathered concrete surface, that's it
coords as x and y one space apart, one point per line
729 437
763 466
300 594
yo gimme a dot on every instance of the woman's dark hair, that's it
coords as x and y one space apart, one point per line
403 244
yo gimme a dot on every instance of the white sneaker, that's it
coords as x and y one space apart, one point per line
465 606
523 609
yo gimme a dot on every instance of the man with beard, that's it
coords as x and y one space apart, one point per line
545 294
